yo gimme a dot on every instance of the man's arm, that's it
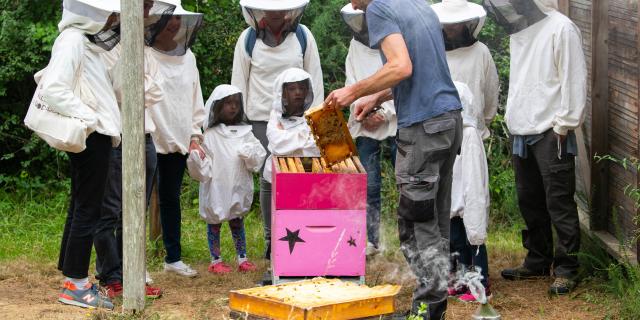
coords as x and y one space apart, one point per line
397 68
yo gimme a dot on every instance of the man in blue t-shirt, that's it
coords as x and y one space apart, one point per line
416 75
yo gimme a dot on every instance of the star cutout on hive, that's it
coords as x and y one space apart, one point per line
352 241
292 238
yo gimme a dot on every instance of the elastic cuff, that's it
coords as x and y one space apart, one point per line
560 130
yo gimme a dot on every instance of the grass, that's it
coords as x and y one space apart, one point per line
31 226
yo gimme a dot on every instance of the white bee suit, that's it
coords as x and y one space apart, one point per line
362 62
475 67
152 92
233 153
470 185
295 138
180 115
254 75
548 78
76 60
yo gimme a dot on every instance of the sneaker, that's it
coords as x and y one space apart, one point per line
87 297
113 289
468 297
522 273
266 278
180 268
562 286
246 266
147 277
152 292
371 250
219 268
453 292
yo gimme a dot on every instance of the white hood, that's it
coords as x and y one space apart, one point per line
89 16
220 92
460 11
288 76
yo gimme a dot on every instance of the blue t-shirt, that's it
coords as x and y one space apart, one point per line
429 92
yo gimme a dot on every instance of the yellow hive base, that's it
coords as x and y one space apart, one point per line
314 299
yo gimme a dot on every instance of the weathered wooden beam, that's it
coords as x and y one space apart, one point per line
133 155
637 97
600 113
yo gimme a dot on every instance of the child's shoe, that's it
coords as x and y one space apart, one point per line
152 292
113 289
453 292
219 268
468 297
87 297
246 266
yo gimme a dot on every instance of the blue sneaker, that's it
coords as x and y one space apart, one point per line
87 297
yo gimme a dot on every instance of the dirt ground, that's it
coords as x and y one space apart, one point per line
29 291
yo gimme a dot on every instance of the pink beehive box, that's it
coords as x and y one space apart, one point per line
318 223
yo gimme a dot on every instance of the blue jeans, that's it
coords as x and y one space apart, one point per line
370 151
170 172
468 255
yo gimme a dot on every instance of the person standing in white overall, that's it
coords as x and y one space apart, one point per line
274 42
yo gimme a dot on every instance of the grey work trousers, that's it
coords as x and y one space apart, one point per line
424 162
260 131
546 186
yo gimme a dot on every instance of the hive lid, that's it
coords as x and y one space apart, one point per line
331 134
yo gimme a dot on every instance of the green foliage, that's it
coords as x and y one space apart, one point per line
422 310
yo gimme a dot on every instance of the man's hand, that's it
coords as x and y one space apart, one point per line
373 122
341 98
195 146
364 106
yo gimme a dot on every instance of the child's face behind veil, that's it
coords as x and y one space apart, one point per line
294 95
230 113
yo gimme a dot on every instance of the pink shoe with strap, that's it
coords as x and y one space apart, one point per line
219 268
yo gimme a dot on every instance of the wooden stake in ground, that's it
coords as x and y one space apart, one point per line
133 155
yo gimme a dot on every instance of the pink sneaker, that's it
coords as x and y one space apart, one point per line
246 266
468 297
453 292
219 268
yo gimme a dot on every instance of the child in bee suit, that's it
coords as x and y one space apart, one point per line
232 154
376 130
470 196
76 83
287 131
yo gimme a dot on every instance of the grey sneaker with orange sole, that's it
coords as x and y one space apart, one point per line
87 297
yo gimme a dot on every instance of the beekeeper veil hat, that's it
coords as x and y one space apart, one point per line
517 15
173 34
264 15
215 102
461 22
357 22
289 76
94 18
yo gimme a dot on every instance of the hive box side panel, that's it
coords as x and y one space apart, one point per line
269 309
353 310
318 242
320 191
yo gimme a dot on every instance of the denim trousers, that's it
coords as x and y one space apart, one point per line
370 151
108 234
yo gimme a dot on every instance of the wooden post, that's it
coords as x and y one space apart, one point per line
133 155
638 177
599 113
563 6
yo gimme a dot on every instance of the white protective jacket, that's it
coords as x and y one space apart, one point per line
180 115
474 67
470 185
255 75
295 138
548 78
152 92
225 175
362 62
75 60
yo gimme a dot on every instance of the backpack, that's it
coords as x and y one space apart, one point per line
250 40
